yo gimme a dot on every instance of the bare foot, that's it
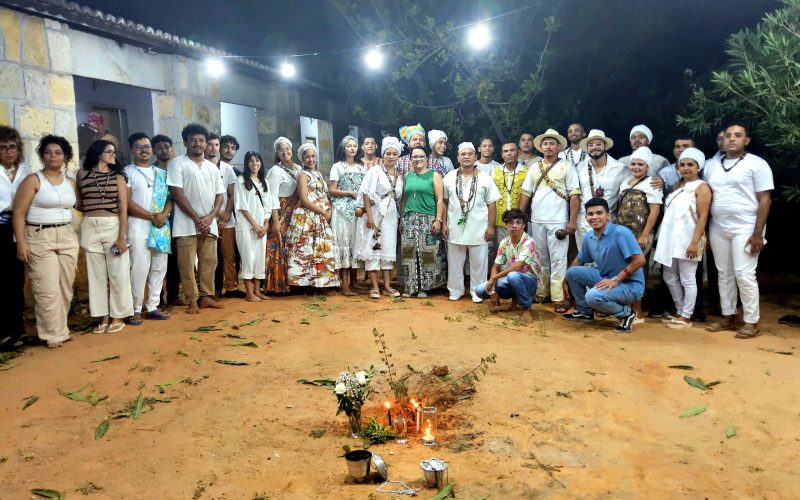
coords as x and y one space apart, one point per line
209 303
348 292
526 315
252 298
193 309
55 345
495 300
262 296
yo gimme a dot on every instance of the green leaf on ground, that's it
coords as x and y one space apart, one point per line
77 395
29 401
196 339
205 328
698 383
167 384
232 362
304 321
137 407
681 367
254 322
323 382
444 492
785 353
101 429
695 410
244 344
232 335
116 356
730 431
48 493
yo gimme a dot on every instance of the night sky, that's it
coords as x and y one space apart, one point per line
619 62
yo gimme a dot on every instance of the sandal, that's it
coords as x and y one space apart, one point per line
375 293
748 332
719 326
391 292
562 307
678 324
115 327
101 328
135 320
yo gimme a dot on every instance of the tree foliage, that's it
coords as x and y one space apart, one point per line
759 84
437 78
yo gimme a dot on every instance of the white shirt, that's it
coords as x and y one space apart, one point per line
228 175
201 184
141 182
657 164
448 163
341 168
487 168
282 182
575 158
734 206
486 193
547 207
8 188
259 203
609 179
655 196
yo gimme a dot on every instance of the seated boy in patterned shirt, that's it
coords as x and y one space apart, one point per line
516 271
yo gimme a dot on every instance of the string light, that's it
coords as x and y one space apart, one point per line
373 58
479 36
215 67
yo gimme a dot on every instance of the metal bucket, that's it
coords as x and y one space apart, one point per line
358 464
435 472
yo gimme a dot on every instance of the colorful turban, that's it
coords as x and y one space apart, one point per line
435 135
466 145
694 154
406 133
391 142
280 140
305 147
643 153
643 129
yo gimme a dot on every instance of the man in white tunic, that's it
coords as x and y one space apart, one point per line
527 155
574 154
640 136
599 176
486 163
470 197
197 189
148 265
551 187
742 184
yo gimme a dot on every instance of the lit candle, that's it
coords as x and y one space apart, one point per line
389 412
428 439
416 415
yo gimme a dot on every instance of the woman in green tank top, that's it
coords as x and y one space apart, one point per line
423 261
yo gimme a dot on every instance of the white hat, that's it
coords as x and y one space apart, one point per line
550 134
305 147
643 129
435 135
391 142
466 145
280 140
693 154
643 153
595 134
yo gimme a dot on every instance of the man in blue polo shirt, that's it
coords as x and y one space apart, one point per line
617 281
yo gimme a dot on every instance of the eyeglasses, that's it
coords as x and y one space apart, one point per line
418 158
110 152
142 147
8 147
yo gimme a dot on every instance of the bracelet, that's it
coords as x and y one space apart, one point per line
437 220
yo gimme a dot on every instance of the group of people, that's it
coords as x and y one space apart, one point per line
194 219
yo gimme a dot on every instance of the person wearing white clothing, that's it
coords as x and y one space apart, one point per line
486 163
196 187
438 141
551 187
642 136
470 197
256 204
574 154
682 240
148 264
742 184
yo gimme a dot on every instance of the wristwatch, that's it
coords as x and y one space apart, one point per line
614 279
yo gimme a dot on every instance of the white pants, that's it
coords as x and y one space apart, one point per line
150 267
553 258
680 279
580 232
378 265
478 269
253 252
109 275
737 269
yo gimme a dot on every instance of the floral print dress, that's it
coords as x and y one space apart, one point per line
309 240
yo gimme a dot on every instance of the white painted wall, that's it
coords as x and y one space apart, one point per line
240 122
309 127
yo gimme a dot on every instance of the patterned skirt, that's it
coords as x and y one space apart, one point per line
310 256
276 250
423 258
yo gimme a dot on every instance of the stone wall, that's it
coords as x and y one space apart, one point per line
36 89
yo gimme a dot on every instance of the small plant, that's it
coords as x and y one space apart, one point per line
398 388
376 433
453 319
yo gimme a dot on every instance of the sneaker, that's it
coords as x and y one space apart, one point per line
625 324
679 324
476 299
455 297
576 316
422 295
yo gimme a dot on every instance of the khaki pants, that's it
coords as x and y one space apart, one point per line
109 274
51 271
203 249
227 247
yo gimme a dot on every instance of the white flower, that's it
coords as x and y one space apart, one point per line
340 388
361 377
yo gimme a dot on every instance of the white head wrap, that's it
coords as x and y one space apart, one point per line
466 145
643 129
435 135
280 140
391 142
305 147
643 153
348 138
694 154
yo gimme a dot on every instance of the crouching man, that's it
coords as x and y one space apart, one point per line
516 271
617 281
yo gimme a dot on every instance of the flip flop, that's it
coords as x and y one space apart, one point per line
114 328
101 328
391 292
562 307
719 326
748 332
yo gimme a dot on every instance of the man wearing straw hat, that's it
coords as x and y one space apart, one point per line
552 189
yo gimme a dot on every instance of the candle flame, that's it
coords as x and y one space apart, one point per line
427 432
387 405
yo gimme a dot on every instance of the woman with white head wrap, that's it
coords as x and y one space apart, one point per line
376 235
681 239
309 241
438 142
345 181
282 180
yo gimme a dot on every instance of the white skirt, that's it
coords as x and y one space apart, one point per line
365 237
344 240
253 252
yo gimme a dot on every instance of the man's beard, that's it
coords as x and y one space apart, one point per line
597 156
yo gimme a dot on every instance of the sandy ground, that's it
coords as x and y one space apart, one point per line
598 413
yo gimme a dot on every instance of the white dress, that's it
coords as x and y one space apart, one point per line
677 228
343 223
252 249
377 184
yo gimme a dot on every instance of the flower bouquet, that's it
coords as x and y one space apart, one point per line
351 391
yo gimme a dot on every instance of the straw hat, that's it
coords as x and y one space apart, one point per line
550 134
597 134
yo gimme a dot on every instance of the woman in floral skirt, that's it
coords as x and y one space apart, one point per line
282 179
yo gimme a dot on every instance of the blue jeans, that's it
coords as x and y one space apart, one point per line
513 285
615 302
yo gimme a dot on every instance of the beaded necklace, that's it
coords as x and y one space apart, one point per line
104 189
580 159
728 169
590 170
465 204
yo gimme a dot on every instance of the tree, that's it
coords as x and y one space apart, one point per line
439 80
